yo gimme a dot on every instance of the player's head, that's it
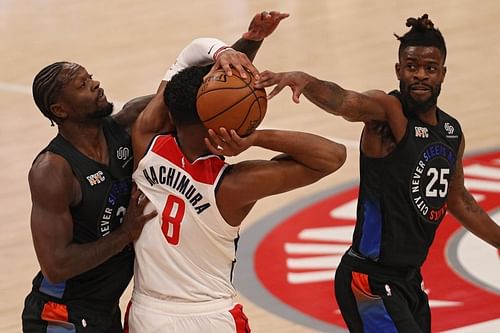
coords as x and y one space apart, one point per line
422 33
180 95
421 70
65 87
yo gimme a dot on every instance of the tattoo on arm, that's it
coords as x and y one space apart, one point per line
327 95
470 204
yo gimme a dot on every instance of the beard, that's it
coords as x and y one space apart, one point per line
103 111
419 106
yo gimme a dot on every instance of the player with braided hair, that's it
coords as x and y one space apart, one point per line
411 173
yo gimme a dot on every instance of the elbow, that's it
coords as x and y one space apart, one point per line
53 276
339 156
55 273
332 159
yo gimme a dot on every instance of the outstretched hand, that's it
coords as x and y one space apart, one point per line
227 143
263 24
297 81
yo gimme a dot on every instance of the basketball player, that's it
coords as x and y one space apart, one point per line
82 223
411 174
185 257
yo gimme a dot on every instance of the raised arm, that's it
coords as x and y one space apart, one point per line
306 158
156 119
262 25
369 107
467 211
59 256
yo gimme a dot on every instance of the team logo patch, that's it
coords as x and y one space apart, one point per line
96 178
421 132
287 261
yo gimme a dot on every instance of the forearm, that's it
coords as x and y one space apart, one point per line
200 52
75 259
131 110
314 152
249 47
326 95
468 212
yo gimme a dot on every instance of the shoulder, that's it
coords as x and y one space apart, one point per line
50 173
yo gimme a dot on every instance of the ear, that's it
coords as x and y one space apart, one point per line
444 73
59 110
397 67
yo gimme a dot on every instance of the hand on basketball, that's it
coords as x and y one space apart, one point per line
231 59
227 143
297 81
263 24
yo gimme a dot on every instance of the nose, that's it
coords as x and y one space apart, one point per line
420 73
96 84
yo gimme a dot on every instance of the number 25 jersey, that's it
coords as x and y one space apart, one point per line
187 252
403 196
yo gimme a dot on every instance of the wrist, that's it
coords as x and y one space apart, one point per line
250 37
220 51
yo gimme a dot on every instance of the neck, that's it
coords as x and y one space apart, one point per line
88 138
429 116
191 141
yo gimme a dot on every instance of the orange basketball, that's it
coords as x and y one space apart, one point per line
231 102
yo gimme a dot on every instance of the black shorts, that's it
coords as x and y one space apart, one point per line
373 299
41 315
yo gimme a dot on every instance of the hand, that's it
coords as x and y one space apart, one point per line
229 59
227 143
263 24
297 81
135 217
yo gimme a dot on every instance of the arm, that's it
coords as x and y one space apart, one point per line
368 107
156 119
262 25
467 211
131 110
52 225
306 159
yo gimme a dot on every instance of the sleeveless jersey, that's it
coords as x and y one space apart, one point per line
105 196
403 196
187 252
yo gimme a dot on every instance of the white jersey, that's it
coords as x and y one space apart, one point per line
187 252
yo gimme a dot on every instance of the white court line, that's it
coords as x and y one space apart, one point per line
17 88
22 89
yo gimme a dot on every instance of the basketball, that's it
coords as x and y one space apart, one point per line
231 102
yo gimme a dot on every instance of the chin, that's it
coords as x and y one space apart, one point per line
103 111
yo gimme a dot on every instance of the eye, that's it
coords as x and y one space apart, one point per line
411 67
432 68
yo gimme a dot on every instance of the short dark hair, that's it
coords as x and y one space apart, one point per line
422 33
180 95
47 85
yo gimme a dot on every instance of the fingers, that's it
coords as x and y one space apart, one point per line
267 79
296 95
227 143
213 142
233 60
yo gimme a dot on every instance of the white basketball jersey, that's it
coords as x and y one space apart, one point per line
187 252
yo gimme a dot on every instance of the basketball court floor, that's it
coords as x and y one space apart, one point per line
290 244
